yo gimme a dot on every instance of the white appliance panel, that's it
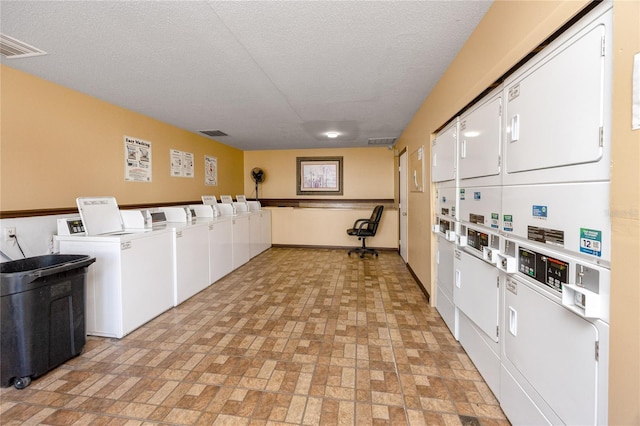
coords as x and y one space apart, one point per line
241 240
191 261
259 232
444 154
265 239
444 265
554 350
483 352
447 201
100 215
481 206
574 217
130 283
476 292
519 407
145 293
480 140
448 312
556 111
220 248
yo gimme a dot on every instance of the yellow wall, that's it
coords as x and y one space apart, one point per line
624 372
58 144
506 34
368 172
327 227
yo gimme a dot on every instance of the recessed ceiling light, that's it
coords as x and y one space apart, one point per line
332 135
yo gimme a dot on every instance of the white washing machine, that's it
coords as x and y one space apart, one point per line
190 246
131 280
555 340
558 108
241 236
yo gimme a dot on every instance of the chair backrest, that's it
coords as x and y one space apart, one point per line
376 215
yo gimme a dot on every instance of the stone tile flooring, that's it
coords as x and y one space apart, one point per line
295 337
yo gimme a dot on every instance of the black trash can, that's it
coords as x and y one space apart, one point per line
42 315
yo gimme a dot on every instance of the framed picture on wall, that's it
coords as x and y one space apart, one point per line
319 175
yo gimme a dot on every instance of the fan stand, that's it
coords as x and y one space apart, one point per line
257 198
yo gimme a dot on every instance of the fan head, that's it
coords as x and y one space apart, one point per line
258 175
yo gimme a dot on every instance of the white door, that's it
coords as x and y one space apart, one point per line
403 207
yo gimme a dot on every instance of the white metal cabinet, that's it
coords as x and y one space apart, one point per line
130 283
444 153
480 142
557 110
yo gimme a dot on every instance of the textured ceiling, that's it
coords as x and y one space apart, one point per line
270 74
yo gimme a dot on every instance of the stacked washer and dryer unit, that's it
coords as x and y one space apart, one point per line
524 282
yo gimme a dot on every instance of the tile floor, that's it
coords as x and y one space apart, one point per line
294 337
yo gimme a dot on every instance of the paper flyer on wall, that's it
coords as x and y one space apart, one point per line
210 171
635 108
181 163
137 163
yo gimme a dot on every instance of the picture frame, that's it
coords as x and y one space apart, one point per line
319 176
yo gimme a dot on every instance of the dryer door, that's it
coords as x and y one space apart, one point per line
476 292
554 349
555 110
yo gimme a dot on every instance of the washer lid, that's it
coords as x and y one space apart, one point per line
100 215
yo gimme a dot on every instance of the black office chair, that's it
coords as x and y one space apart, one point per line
363 228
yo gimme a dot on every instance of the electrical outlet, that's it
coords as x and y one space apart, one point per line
9 232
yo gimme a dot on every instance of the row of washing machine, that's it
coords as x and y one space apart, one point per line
148 261
523 230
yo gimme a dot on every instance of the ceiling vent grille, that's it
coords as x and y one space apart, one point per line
13 49
381 141
214 133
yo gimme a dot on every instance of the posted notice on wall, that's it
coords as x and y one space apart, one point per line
181 163
210 171
137 161
635 113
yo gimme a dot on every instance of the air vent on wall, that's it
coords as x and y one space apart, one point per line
381 141
11 48
214 133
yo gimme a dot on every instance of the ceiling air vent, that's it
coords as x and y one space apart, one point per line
11 48
381 141
214 133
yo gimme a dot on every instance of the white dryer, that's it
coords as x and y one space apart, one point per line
555 340
558 108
